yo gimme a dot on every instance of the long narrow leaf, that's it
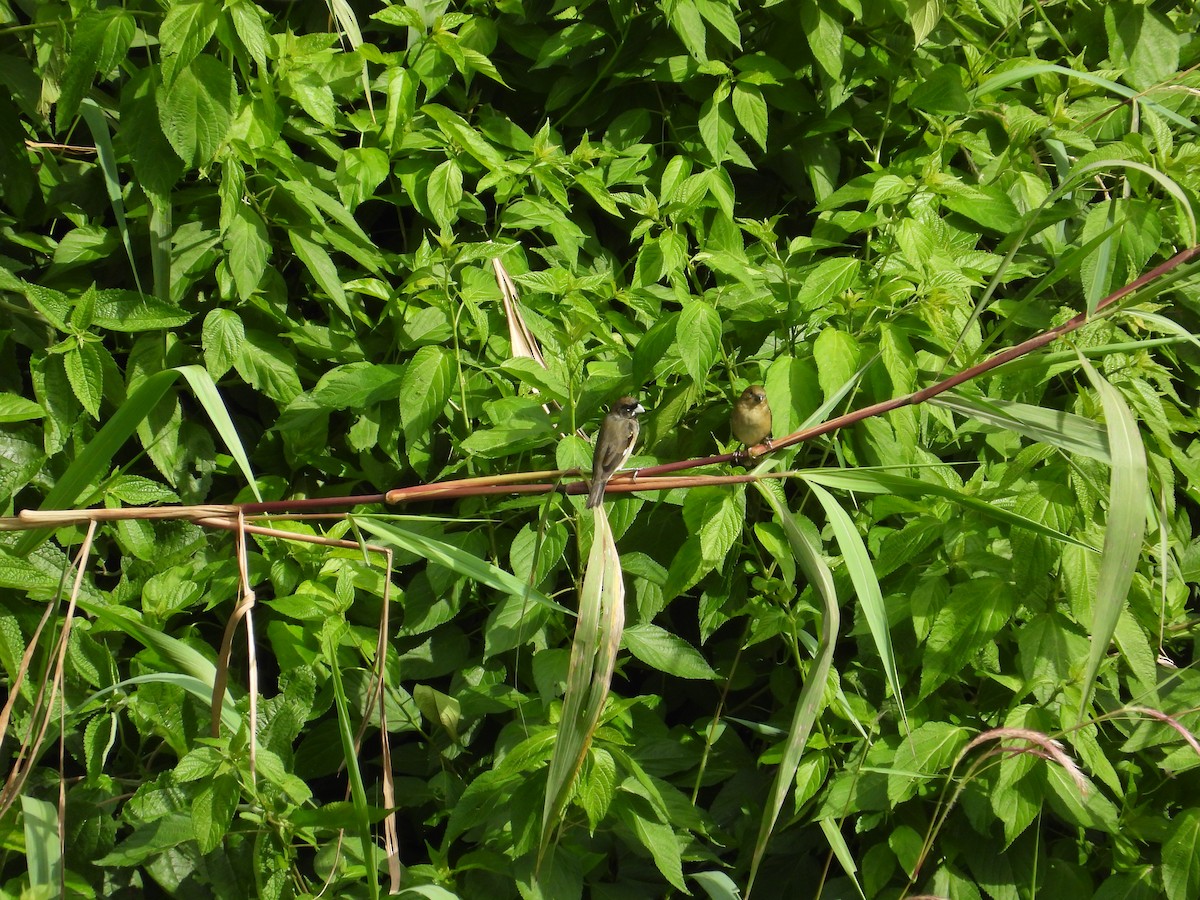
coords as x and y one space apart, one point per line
1022 73
96 124
866 586
821 413
186 659
589 674
457 560
190 683
808 705
876 482
1124 530
206 392
43 853
358 793
1064 430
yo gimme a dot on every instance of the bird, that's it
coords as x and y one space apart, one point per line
614 443
750 420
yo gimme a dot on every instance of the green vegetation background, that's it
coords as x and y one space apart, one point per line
227 226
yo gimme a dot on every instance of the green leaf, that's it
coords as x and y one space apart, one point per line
827 281
1064 430
1181 857
424 391
100 41
14 408
660 840
987 205
212 811
445 190
976 611
751 111
686 21
222 338
717 885
185 31
98 126
942 92
206 392
196 109
268 366
824 33
666 652
456 560
717 125
923 16
837 356
720 16
863 479
594 648
805 546
866 586
793 391
698 335
140 491
359 172
43 849
320 266
358 385
249 247
248 23
511 623
455 127
86 376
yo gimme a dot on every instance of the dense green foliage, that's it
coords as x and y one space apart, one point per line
229 226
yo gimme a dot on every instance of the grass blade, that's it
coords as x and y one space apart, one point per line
808 705
358 793
866 586
1126 527
43 850
1064 430
206 392
589 675
1021 73
457 560
94 117
875 482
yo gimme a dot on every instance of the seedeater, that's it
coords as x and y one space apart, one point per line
614 443
750 420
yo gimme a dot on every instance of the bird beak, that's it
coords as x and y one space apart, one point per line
639 409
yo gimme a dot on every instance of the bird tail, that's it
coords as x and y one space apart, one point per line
596 494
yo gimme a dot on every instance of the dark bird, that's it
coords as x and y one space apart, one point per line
615 442
750 420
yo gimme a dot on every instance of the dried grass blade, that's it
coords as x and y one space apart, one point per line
519 336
